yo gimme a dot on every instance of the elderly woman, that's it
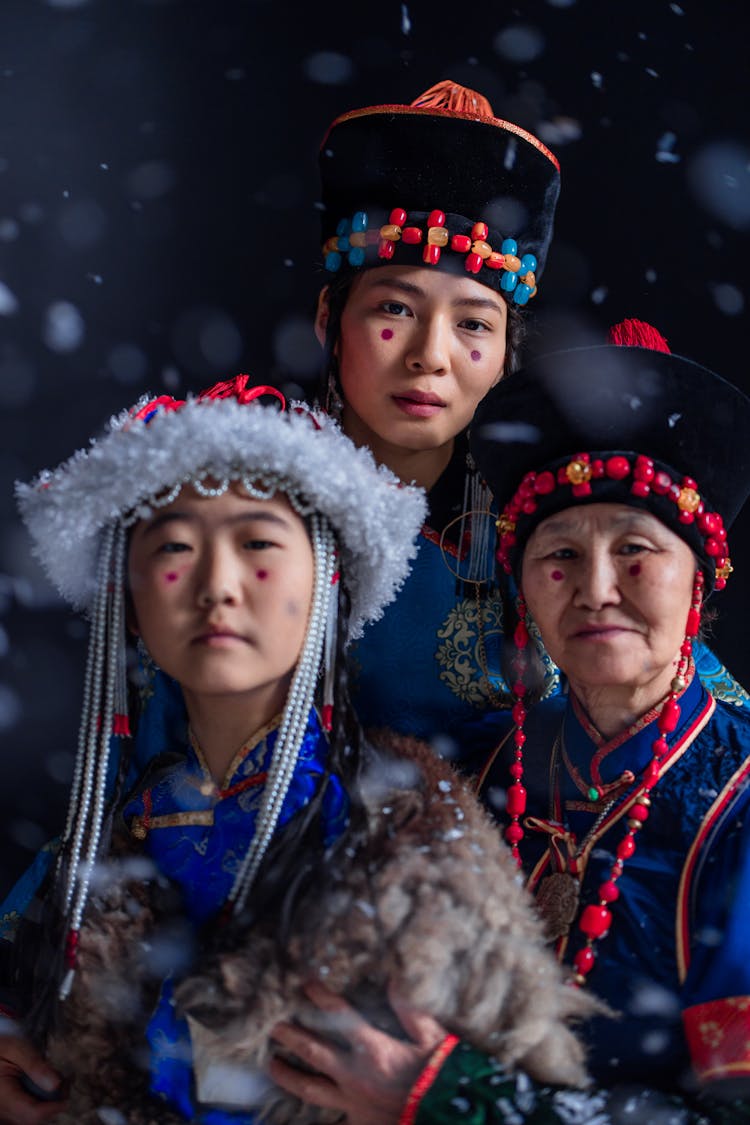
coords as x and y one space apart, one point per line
617 472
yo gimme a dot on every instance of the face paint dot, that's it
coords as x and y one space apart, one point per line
476 355
634 570
386 334
261 575
171 577
557 576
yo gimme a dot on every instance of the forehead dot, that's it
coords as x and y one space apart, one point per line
386 334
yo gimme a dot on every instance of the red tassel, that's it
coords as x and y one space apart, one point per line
637 334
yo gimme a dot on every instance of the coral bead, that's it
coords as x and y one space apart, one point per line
431 255
617 468
411 235
693 623
480 231
473 263
436 219
584 960
670 713
639 812
397 216
595 921
545 483
626 847
516 802
386 248
514 833
609 891
519 714
461 243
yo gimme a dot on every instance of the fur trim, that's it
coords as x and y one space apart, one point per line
375 519
427 896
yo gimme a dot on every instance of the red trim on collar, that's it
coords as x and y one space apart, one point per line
718 1037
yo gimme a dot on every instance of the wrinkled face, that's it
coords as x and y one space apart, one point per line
610 588
418 350
221 590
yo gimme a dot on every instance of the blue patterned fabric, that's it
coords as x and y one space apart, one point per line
636 970
197 837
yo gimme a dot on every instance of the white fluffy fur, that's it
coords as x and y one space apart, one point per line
375 518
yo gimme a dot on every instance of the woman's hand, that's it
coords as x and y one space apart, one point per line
370 1081
21 1063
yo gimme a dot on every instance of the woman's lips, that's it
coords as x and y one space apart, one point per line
419 404
600 632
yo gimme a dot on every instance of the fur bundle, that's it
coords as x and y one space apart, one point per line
427 896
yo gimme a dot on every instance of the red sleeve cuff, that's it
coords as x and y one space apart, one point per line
718 1036
425 1079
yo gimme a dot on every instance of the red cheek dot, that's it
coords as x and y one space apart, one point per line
261 575
171 577
634 570
557 576
476 355
386 334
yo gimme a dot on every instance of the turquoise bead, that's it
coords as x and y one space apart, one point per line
509 246
343 228
359 221
333 261
522 293
343 243
356 256
509 281
528 262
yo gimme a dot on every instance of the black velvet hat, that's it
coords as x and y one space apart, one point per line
617 424
442 183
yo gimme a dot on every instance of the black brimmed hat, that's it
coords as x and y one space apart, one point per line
623 425
442 183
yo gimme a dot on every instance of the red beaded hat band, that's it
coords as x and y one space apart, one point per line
616 477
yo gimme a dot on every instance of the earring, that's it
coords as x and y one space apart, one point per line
334 404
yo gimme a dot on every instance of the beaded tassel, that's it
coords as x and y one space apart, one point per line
596 918
516 797
104 684
296 712
329 666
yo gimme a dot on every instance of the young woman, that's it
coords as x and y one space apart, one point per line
218 528
626 803
266 843
437 218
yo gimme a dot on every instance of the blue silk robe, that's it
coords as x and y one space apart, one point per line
676 960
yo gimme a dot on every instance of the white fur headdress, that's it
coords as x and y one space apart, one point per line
162 443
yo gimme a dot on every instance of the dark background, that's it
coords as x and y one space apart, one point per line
158 231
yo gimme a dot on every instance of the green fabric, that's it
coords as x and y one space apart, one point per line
474 1089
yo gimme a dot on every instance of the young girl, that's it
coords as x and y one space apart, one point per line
178 923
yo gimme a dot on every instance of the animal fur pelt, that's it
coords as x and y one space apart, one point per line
427 896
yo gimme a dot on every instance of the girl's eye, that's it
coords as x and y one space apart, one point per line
394 308
475 325
172 548
257 544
